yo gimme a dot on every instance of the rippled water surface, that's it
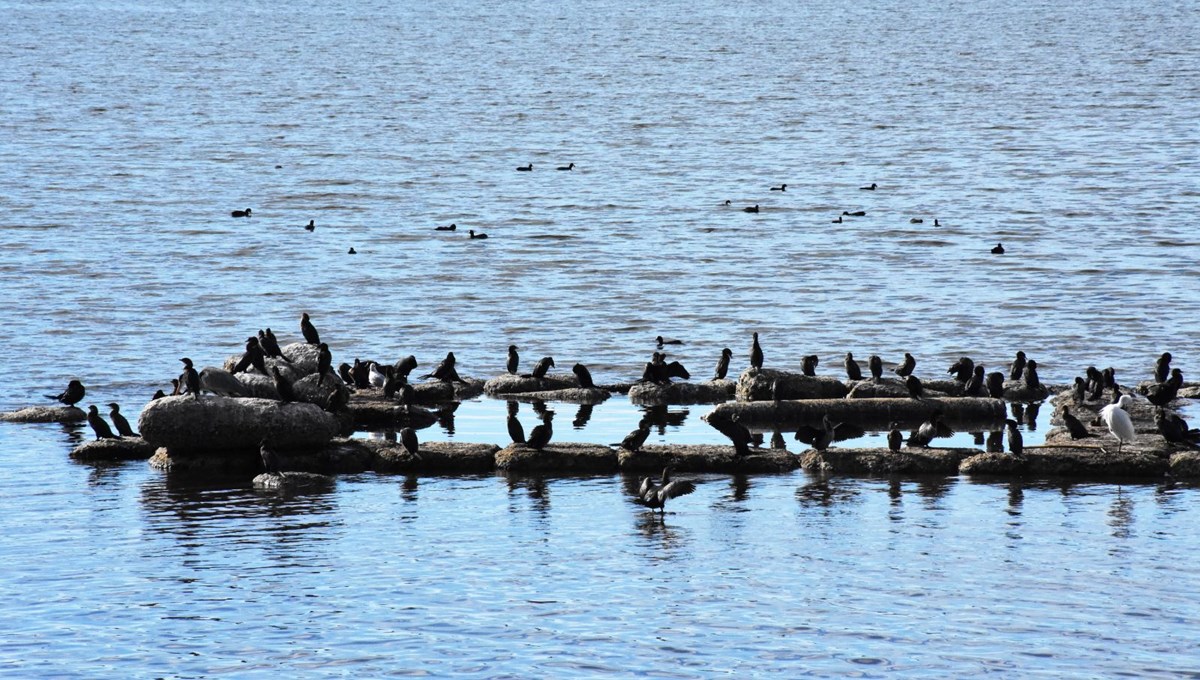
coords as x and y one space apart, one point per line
1067 131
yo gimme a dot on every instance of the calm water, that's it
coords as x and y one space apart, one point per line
1067 131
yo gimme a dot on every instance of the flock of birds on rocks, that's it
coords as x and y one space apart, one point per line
393 380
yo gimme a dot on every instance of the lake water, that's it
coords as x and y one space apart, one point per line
1066 131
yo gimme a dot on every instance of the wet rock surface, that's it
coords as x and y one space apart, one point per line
45 414
292 481
558 458
446 457
124 448
705 458
513 384
882 461
186 425
708 392
756 385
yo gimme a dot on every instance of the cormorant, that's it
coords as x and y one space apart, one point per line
542 367
361 374
190 378
99 425
405 366
915 389
240 213
825 436
1079 390
569 166
584 375
723 364
751 210
324 363
270 460
309 331
1031 376
737 433
1016 444
70 396
808 365
393 382
452 227
445 371
756 354
870 188
311 226
998 250
856 213
962 369
852 370
158 394
781 187
894 438
1163 393
253 356
995 385
474 235
408 438
352 251
932 428
654 495
1162 367
974 386
1076 428
286 393
1017 368
905 369
1175 429
513 360
875 365
916 220
666 341
541 434
270 345
635 440
119 421
525 168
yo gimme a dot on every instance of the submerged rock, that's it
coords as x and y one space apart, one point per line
571 395
124 448
708 392
433 457
338 456
882 461
292 481
562 458
1092 462
45 414
513 384
756 385
188 426
704 458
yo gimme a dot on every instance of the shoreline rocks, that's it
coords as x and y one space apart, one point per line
961 413
682 393
756 385
45 414
186 425
123 448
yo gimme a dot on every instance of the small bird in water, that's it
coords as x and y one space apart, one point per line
408 439
541 434
514 360
998 250
308 330
756 354
781 187
525 168
875 365
287 394
915 389
452 227
472 234
936 223
852 370
99 425
584 376
1162 367
856 213
1017 368
808 365
905 369
654 495
240 213
311 226
1016 443
269 458
723 364
190 380
569 166
895 438
70 396
352 251
870 188
119 421
666 341
1074 427
751 210
1116 417
916 220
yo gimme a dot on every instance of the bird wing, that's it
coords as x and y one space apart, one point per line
676 370
676 489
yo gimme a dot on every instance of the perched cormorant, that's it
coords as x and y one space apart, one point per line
1162 367
875 366
70 396
405 366
308 330
634 440
393 382
895 438
474 235
1163 393
541 434
756 354
998 250
119 421
324 363
408 438
542 367
361 374
723 364
452 227
962 369
781 187
270 460
175 389
1016 444
654 495
270 345
190 380
1175 429
915 389
584 375
905 369
240 213
1017 368
1031 376
445 371
751 210
1076 428
932 428
525 168
974 386
808 365
569 166
870 188
286 393
1109 377
158 394
253 356
99 425
311 226
1079 390
852 370
514 360
995 385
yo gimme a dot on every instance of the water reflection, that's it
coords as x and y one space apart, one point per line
1031 414
827 492
739 488
1120 515
660 416
536 490
446 416
995 441
408 488
582 416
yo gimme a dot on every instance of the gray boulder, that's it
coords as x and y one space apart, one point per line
755 385
45 414
188 426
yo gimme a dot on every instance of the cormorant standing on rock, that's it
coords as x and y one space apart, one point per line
756 354
286 393
158 394
1163 393
514 360
808 365
445 371
408 438
270 460
190 378
1175 429
99 426
826 434
393 382
175 391
1016 444
995 385
1017 368
119 421
1162 367
541 434
962 369
656 496
1031 376
974 386
346 373
405 366
852 370
70 396
1079 390
253 356
915 389
542 367
309 331
361 374
324 363
895 438
634 441
584 375
931 429
723 364
1076 428
270 345
905 369
875 365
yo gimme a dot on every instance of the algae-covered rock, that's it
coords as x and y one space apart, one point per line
186 426
1185 464
441 457
882 461
45 414
1000 464
559 458
513 384
705 458
292 481
756 385
123 448
708 392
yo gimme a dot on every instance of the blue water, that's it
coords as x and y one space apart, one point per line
1067 131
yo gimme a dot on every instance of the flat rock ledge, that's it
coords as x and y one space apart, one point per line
186 425
373 409
45 414
962 413
896 389
438 392
292 481
704 458
453 457
707 392
570 395
568 458
124 448
508 383
1017 390
346 456
1070 461
755 385
882 461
